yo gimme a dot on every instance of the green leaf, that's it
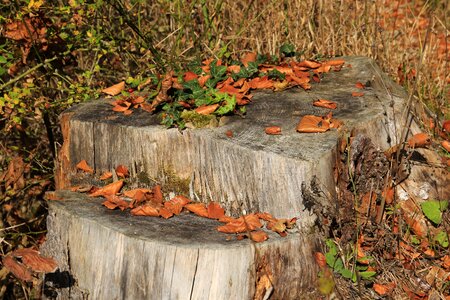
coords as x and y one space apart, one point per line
433 210
367 274
288 50
217 71
442 239
230 104
3 59
346 273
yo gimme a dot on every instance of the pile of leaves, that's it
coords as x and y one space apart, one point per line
197 97
151 202
385 242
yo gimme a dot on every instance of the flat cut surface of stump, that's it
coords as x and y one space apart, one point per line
113 255
251 171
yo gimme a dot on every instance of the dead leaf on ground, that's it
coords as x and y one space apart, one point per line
110 189
320 259
325 103
248 57
176 204
206 109
273 130
115 89
309 64
360 85
259 236
384 289
145 210
106 175
446 145
188 76
419 140
18 269
165 213
197 208
122 171
357 94
113 202
51 196
312 124
157 194
83 166
242 224
215 211
33 259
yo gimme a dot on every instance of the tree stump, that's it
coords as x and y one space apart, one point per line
110 255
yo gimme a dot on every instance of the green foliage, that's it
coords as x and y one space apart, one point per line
288 50
433 210
335 262
442 238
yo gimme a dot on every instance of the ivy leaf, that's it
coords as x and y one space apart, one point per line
288 50
230 104
433 210
217 71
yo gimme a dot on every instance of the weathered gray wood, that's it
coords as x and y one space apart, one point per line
114 255
251 171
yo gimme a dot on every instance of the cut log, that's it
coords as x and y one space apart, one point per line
114 255
110 255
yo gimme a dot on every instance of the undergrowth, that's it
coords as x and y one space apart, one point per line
54 54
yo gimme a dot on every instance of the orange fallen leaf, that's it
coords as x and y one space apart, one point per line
83 166
215 211
122 107
188 76
106 175
145 210
278 226
309 64
165 213
312 124
242 224
234 68
113 202
122 171
248 57
197 208
132 193
357 94
110 189
114 89
336 62
258 236
49 196
157 194
383 289
320 259
33 260
226 219
325 103
446 262
206 109
18 269
273 130
388 195
176 204
360 85
446 126
127 112
446 145
266 217
419 140
260 83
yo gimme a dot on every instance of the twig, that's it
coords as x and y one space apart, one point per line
15 79
21 224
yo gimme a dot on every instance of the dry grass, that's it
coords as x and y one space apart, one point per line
394 33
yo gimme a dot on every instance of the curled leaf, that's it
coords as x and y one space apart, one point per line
311 124
258 236
197 208
215 211
122 171
83 166
114 89
110 189
419 140
325 103
206 109
273 130
145 210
